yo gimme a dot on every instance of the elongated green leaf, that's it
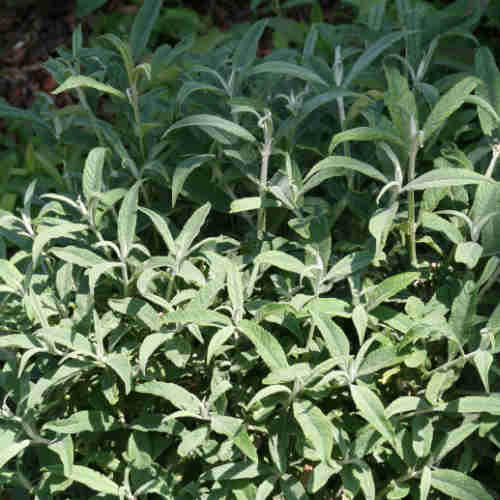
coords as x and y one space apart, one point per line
246 52
437 223
445 177
297 371
215 122
191 230
190 87
92 172
65 449
74 82
321 474
94 480
475 404
281 260
425 483
236 470
370 54
266 392
177 395
149 346
9 447
390 287
122 367
448 104
452 439
182 171
143 25
333 167
82 421
350 264
292 488
10 274
468 253
20 340
43 237
364 134
246 204
288 69
162 228
268 348
371 409
457 485
234 429
127 219
317 428
76 255
309 106
483 361
217 342
336 341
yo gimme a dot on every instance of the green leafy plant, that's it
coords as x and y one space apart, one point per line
219 305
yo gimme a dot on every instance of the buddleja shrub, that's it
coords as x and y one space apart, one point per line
223 307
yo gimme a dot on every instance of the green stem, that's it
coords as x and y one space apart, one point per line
411 205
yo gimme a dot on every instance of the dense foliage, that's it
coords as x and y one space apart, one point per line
249 274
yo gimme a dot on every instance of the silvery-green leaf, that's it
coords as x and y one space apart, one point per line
425 482
74 82
162 228
127 219
82 421
350 264
335 339
192 440
372 410
9 446
65 450
212 121
370 54
92 172
266 392
93 479
457 485
182 171
448 104
468 253
321 474
316 426
483 361
422 430
445 177
236 470
120 364
216 343
334 166
143 26
125 51
452 439
177 395
268 348
288 69
246 51
390 287
191 229
77 255
436 223
60 231
292 488
235 430
370 134
281 260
